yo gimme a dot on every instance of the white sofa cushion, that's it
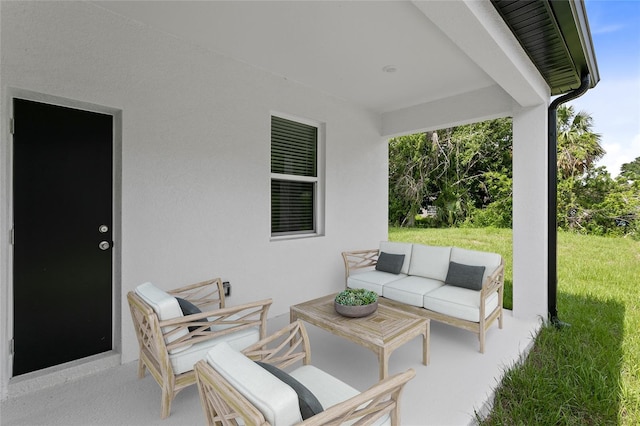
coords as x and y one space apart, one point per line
430 261
398 248
185 360
372 280
277 401
410 290
490 261
459 302
166 307
329 390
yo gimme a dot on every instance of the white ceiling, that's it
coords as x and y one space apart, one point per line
339 47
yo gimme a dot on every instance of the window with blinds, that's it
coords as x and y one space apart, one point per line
294 177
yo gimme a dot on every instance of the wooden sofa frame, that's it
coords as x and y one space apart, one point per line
223 404
154 351
367 259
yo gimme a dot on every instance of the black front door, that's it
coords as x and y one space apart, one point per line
62 201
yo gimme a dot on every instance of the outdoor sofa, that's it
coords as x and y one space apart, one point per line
460 287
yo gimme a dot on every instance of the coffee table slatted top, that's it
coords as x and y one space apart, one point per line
381 332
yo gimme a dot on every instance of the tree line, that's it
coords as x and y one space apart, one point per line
462 177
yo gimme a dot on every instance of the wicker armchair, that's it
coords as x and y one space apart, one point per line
171 343
233 387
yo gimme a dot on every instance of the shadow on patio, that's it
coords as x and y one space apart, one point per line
457 382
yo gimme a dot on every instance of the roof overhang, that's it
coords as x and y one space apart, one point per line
455 62
556 37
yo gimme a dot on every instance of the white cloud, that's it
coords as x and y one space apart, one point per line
618 154
607 29
614 106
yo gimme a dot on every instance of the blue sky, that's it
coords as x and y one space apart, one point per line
614 104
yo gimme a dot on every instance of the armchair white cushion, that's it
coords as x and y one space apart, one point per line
166 307
277 401
184 361
234 389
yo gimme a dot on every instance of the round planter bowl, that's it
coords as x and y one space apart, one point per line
355 311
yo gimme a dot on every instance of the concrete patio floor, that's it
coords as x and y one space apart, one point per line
458 382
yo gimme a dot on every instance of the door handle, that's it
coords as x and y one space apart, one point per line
104 245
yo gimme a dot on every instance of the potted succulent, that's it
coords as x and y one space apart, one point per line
356 302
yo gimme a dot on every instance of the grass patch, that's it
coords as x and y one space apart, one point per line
584 374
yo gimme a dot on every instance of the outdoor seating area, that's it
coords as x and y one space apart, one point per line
188 335
116 396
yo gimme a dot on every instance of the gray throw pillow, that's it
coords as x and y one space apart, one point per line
309 404
391 263
466 276
189 308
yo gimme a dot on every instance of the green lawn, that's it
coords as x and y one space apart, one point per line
589 372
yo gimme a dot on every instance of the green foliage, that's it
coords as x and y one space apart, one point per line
409 160
578 147
631 171
465 174
456 170
596 204
356 297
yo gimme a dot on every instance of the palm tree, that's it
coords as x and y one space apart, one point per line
578 147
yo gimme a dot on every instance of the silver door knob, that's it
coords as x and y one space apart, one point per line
104 245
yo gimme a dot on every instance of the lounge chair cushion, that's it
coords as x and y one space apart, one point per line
166 307
329 390
238 340
307 401
277 401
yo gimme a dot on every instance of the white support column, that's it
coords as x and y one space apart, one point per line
530 227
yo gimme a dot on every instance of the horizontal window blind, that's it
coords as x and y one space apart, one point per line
292 206
293 147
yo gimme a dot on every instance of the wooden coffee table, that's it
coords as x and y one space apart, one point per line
382 332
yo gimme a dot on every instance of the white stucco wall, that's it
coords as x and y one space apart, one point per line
195 156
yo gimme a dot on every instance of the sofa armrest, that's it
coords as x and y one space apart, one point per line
359 259
225 321
495 281
379 400
282 348
209 294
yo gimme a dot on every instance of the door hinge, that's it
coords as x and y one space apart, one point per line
12 347
11 237
11 126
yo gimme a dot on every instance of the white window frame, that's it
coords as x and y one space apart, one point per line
318 180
